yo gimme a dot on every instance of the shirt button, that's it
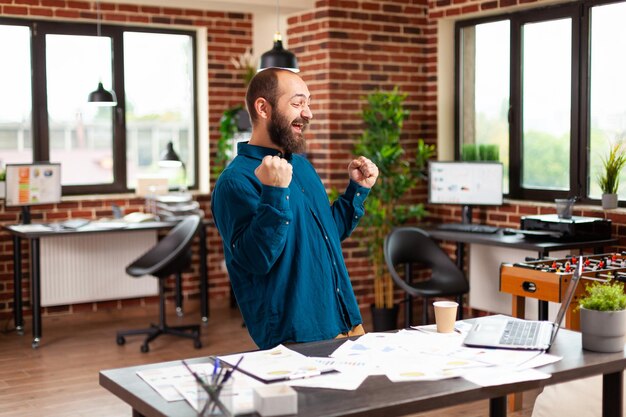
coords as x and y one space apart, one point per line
358 194
286 222
337 290
326 237
287 197
233 245
356 217
303 190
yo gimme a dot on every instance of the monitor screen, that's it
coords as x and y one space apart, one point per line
32 184
467 183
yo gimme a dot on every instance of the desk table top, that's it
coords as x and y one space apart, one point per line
377 396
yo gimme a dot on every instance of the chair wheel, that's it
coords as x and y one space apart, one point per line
145 348
197 344
121 340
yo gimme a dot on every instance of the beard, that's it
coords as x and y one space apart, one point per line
282 135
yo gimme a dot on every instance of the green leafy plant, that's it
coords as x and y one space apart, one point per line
228 129
384 116
604 296
608 179
481 152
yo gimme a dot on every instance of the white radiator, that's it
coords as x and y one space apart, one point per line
91 267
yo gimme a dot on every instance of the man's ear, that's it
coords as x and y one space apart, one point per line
262 108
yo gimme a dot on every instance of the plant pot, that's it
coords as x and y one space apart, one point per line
384 319
603 331
609 201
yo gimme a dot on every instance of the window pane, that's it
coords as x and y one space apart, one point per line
546 95
81 135
485 93
158 112
16 143
607 88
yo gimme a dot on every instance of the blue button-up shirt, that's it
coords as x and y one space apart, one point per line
282 248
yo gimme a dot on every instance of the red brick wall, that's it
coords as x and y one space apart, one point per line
228 35
346 49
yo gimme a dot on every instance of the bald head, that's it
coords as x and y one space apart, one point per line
265 84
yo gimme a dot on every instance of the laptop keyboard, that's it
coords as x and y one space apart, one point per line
520 333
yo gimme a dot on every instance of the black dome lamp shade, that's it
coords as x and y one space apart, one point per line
279 57
102 97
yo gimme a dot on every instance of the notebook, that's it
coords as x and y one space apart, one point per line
522 334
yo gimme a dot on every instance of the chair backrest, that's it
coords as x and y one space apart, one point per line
407 245
170 254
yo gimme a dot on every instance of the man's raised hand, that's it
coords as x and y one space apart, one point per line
274 171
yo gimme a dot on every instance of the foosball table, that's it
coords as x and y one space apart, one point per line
547 280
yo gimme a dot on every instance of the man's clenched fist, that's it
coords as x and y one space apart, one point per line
363 171
274 171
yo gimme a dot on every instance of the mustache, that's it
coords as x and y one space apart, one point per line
300 120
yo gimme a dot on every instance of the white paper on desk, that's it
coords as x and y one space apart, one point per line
499 375
425 367
162 380
348 381
279 363
243 400
30 228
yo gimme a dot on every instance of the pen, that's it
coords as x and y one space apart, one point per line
230 371
216 365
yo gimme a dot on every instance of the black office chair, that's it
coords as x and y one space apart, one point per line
411 245
169 256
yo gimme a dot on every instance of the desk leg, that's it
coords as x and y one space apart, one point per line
612 401
179 294
497 407
204 277
137 413
542 310
18 318
36 291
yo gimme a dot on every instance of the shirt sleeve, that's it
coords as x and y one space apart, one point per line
349 208
253 225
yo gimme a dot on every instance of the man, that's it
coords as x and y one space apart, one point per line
282 239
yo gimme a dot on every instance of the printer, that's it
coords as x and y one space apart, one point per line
574 228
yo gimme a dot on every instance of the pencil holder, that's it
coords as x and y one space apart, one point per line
216 399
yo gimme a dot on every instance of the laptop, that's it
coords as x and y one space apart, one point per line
522 334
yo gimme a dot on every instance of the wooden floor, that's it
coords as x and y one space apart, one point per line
61 377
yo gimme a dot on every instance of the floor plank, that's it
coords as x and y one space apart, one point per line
60 379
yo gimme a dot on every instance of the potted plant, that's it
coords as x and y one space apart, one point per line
235 119
603 316
608 179
383 116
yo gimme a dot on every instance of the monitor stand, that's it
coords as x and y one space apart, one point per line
25 214
466 215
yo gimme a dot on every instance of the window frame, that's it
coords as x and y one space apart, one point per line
41 140
579 12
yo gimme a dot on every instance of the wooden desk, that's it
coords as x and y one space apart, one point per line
377 396
516 241
35 271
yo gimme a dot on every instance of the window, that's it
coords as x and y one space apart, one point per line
16 144
101 149
545 86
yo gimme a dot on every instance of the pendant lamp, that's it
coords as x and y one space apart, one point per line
100 96
278 57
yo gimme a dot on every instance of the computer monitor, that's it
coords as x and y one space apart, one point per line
32 184
465 183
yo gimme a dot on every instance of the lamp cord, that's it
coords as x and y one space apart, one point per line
98 17
278 16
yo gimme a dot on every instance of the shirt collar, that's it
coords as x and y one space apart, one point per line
259 152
